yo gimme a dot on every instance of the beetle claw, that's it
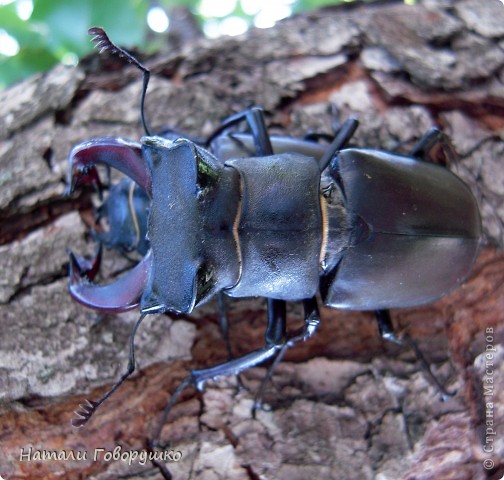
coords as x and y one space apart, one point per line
81 267
114 152
83 175
121 295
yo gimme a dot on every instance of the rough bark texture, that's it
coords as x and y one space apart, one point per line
345 405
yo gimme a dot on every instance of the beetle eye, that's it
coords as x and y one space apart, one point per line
207 176
205 282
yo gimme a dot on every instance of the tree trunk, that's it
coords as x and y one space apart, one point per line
345 404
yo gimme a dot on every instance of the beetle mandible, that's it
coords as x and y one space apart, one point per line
368 229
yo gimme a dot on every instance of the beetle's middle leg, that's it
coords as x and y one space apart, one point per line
224 328
426 144
341 138
224 324
387 333
255 119
312 321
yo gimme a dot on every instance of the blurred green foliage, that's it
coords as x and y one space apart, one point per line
56 30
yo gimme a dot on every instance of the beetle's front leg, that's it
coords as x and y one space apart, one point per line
275 341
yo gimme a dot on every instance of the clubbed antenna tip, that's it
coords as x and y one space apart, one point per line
85 413
104 43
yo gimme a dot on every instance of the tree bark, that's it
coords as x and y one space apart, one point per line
344 404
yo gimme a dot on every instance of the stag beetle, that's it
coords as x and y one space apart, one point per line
251 214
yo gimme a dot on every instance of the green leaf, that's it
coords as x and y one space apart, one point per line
191 4
22 31
65 22
27 62
68 21
305 5
124 21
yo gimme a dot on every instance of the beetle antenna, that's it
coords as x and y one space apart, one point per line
104 43
88 408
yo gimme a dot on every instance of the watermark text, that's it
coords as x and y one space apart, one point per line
100 455
488 393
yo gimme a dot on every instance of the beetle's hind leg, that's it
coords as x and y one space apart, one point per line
386 330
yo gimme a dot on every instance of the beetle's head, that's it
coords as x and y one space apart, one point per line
194 202
193 209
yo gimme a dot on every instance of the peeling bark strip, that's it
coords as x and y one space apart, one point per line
344 406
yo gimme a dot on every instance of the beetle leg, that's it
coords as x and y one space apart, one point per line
224 328
89 408
275 341
275 333
342 137
425 145
385 327
335 114
114 152
387 333
224 324
276 329
198 378
255 118
120 296
312 321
